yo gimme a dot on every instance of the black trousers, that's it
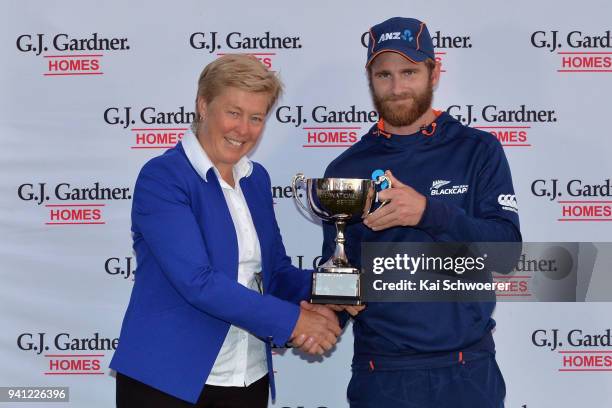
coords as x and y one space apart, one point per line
134 394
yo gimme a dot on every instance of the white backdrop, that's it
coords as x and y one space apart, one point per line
67 262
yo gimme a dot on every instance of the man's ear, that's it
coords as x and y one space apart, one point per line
435 74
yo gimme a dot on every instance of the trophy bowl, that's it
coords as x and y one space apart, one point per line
340 200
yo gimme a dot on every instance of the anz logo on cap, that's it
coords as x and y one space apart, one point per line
398 35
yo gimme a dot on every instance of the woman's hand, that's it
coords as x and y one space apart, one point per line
316 330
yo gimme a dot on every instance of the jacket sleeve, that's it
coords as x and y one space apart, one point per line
288 282
495 217
161 213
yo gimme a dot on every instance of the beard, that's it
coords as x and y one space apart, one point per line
399 115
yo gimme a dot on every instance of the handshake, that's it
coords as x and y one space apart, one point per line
318 328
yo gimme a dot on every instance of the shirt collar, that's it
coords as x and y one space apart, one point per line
202 164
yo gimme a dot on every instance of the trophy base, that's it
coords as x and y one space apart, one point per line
337 285
335 300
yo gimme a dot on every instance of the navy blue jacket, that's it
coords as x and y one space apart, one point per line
465 177
186 292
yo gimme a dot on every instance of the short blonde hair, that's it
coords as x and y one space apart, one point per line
240 71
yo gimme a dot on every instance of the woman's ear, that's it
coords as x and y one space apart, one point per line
202 108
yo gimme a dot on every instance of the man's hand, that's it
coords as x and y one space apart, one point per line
352 310
322 310
314 332
405 207
308 343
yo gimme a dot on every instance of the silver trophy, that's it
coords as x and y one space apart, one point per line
341 200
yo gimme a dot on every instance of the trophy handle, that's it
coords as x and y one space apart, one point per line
379 180
299 178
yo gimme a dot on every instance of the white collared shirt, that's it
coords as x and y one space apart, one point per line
242 358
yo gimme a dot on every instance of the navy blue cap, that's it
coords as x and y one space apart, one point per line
408 37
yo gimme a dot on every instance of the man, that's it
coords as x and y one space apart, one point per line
430 354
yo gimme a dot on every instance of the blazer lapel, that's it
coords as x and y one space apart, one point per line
224 239
255 201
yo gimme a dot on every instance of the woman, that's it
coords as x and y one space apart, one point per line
197 329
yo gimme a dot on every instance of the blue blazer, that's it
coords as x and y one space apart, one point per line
186 292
